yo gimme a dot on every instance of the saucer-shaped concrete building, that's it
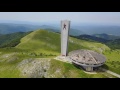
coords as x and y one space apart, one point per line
87 59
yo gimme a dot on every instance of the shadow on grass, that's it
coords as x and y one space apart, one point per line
78 66
105 66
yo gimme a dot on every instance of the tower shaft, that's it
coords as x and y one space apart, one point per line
65 27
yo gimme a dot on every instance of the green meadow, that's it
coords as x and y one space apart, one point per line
26 59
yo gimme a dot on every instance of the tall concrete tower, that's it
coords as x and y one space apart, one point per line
65 27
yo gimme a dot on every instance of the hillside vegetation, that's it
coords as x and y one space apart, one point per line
49 42
106 36
91 38
34 57
114 44
11 40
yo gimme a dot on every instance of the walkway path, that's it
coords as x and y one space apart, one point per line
67 60
110 72
63 59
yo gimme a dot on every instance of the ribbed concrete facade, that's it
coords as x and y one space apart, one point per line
65 27
88 59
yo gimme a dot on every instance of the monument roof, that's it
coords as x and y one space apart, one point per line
87 57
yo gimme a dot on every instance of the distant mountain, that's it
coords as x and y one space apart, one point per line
106 36
84 28
75 32
11 40
7 28
115 44
99 29
72 32
48 26
91 38
29 22
108 40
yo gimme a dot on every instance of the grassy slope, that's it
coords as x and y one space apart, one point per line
49 42
113 60
115 44
45 42
41 42
66 70
11 40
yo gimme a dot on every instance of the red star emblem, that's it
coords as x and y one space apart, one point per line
64 26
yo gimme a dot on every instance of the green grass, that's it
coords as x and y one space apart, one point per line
98 47
9 71
41 41
113 60
46 44
60 69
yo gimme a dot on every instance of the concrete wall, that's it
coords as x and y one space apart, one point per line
65 27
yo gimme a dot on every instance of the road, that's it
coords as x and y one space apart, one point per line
110 72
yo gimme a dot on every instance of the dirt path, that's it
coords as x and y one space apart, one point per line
110 72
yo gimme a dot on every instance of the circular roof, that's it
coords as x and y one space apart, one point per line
87 57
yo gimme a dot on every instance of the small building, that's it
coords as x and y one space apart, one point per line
87 59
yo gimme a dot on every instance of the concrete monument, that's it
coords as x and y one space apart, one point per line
65 27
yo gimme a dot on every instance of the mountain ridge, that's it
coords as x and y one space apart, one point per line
6 28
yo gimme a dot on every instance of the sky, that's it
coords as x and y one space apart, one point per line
74 17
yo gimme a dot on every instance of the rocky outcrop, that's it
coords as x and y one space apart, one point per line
34 68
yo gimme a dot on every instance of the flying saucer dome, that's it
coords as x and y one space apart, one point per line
87 58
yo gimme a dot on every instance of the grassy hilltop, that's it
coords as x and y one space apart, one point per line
34 57
41 41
